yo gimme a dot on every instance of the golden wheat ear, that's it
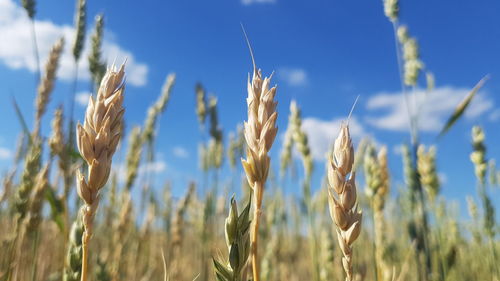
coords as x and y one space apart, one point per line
97 140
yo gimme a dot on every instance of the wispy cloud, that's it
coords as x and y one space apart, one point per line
494 115
322 133
250 2
293 76
180 152
82 98
389 111
17 54
5 153
153 167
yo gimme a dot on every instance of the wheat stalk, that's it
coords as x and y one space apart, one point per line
377 182
97 68
343 208
260 132
178 229
201 104
236 146
80 23
47 84
120 233
426 166
36 204
133 156
156 109
97 140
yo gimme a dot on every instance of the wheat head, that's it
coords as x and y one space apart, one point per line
342 197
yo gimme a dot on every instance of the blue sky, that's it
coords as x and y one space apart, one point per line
324 53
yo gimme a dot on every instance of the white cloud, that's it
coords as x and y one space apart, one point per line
180 152
5 153
398 149
494 115
434 108
322 133
17 52
82 98
293 76
153 167
443 178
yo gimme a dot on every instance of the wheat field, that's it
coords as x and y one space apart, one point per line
69 211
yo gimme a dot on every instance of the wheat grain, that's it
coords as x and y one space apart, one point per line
97 140
426 166
286 151
47 84
215 145
157 108
260 132
133 156
343 207
377 181
391 9
97 67
236 147
301 140
29 6
120 233
478 157
201 104
36 204
178 230
80 24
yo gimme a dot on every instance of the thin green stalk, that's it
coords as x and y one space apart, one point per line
35 50
374 255
443 268
35 255
403 87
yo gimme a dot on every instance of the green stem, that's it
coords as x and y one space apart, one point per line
35 255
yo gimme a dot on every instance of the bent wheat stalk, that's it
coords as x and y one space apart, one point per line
343 206
260 132
97 140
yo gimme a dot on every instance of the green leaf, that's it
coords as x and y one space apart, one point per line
222 270
220 277
460 109
243 219
56 207
74 154
234 257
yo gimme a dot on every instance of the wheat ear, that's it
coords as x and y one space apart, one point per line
97 140
47 84
260 132
343 207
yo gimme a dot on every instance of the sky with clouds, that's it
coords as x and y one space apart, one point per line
324 54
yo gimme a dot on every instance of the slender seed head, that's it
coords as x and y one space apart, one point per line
97 67
391 9
342 196
29 6
80 24
47 83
